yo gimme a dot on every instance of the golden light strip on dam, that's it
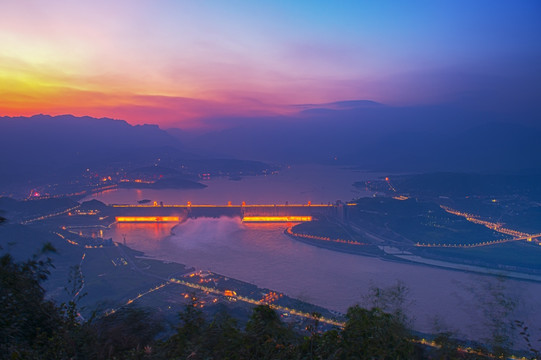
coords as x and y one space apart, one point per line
147 219
276 218
225 206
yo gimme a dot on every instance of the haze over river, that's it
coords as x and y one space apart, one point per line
261 254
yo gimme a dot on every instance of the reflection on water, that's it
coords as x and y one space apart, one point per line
262 254
298 184
145 237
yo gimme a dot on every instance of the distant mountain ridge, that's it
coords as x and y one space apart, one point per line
379 137
43 149
362 133
44 145
84 129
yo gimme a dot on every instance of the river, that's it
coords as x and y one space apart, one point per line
261 254
293 184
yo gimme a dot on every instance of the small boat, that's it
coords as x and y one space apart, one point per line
144 201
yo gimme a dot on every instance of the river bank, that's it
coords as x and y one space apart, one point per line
389 253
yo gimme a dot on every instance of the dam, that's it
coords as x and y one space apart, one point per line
246 212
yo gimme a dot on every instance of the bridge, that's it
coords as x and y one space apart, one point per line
247 212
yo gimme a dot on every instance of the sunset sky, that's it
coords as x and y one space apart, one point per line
174 62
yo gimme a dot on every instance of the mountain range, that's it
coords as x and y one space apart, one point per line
359 133
378 137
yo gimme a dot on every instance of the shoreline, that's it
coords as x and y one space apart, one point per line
413 259
421 326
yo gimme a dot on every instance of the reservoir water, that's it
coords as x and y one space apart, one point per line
261 254
294 184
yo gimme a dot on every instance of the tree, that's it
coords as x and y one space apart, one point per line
28 322
128 332
392 300
186 342
267 337
374 334
222 338
498 306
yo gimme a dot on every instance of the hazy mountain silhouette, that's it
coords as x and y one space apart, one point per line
363 133
49 149
379 137
48 146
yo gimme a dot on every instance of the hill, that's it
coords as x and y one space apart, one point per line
377 137
56 147
70 150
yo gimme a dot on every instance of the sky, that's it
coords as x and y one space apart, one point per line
173 63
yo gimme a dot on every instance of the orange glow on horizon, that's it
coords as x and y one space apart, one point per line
28 94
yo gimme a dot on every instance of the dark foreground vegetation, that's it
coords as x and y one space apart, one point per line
33 327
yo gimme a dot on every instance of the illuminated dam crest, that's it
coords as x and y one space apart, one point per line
276 218
147 219
247 213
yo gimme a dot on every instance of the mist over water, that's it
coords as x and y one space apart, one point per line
263 255
199 234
